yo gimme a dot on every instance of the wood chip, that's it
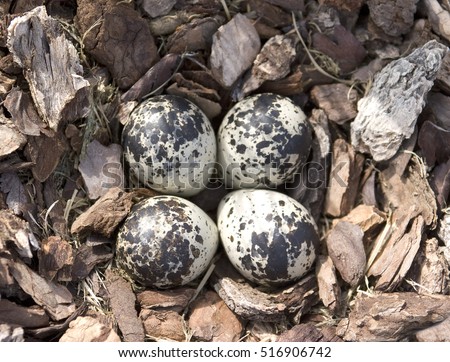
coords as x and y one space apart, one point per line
55 255
337 100
211 320
89 255
10 137
394 17
10 333
290 5
238 36
439 332
101 168
88 329
122 301
53 146
23 112
17 231
175 299
51 67
440 183
117 37
327 281
439 104
434 142
253 304
439 18
305 332
6 84
105 215
443 77
344 179
26 317
392 316
346 249
341 46
270 14
388 114
154 78
163 325
17 198
54 298
272 63
155 8
429 271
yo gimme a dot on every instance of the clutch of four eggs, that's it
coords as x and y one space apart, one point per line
170 146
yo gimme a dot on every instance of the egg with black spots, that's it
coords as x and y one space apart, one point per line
166 241
169 145
263 141
270 238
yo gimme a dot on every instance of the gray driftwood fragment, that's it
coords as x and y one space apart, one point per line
51 67
388 114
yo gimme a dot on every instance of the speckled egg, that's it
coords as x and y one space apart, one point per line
166 241
270 238
262 141
169 145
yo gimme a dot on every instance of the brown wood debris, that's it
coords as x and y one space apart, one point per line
55 259
25 317
392 316
88 329
122 301
212 321
307 332
439 332
328 283
105 215
51 67
10 137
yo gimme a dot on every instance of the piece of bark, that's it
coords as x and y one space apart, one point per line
238 36
55 207
394 17
270 14
391 266
337 100
7 83
344 5
55 255
429 271
439 18
105 215
392 316
341 46
23 112
434 142
22 6
368 218
439 332
440 183
166 25
306 332
329 288
174 299
265 31
45 151
16 230
210 320
388 114
122 301
258 331
26 317
344 179
117 37
10 137
368 190
253 304
51 67
10 333
163 325
272 63
439 105
346 249
309 186
155 8
17 198
288 86
154 78
54 298
205 98
88 255
409 191
88 329
101 168
194 36
8 285
290 5
9 66
443 76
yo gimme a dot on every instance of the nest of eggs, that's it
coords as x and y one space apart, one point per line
170 146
